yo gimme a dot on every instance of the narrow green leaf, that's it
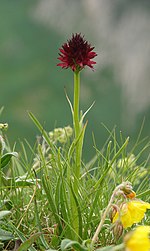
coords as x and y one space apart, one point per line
42 238
18 181
71 107
78 210
22 237
26 245
7 157
57 192
120 150
1 109
112 248
66 243
66 210
4 213
84 114
48 191
1 245
50 249
41 129
75 141
147 192
109 248
23 181
5 235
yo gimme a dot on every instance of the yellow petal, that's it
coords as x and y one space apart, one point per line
132 212
125 216
137 210
138 240
140 204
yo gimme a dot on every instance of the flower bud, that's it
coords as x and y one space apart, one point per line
68 131
131 195
112 212
127 190
3 126
61 134
117 230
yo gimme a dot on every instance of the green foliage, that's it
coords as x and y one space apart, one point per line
5 159
5 235
110 166
72 244
26 242
4 213
55 201
46 211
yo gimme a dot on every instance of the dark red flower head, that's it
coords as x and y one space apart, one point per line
76 53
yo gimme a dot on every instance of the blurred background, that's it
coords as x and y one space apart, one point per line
32 33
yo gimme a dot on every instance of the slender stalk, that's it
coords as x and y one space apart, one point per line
119 187
76 170
76 102
76 119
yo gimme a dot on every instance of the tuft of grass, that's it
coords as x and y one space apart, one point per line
39 191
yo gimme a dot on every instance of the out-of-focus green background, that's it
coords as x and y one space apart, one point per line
31 33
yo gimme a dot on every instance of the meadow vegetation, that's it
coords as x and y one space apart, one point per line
51 200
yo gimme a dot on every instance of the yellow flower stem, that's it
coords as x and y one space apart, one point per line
118 188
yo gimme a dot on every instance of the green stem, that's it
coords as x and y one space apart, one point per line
76 102
76 119
78 150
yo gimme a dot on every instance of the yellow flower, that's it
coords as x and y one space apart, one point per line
138 240
131 212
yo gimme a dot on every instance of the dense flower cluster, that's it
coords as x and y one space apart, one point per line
131 212
61 134
76 53
138 240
